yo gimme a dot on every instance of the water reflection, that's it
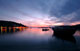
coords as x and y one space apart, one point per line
4 30
67 38
77 33
39 31
65 43
36 39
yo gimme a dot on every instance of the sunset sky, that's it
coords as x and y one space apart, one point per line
41 12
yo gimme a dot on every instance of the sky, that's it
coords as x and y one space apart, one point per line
41 12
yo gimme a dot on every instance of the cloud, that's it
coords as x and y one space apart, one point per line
67 11
46 11
73 17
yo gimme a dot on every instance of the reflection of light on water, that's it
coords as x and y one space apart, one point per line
11 29
39 31
77 33
33 34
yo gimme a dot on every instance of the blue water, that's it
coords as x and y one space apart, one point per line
34 39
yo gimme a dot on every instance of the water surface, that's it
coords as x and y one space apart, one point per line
36 39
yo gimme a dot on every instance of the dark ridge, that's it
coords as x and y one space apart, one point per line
10 24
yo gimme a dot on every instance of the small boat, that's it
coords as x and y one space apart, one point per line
44 29
64 30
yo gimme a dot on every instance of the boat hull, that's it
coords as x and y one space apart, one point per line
64 30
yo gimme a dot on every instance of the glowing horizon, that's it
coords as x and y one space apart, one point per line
41 12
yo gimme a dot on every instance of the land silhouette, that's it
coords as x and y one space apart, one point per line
9 26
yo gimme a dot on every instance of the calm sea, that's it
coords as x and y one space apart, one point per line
34 39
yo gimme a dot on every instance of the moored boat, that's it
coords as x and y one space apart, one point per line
64 30
45 29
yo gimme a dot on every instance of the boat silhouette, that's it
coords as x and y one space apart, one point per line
64 30
45 29
65 33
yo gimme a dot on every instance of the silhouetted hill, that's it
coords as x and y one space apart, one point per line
10 24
